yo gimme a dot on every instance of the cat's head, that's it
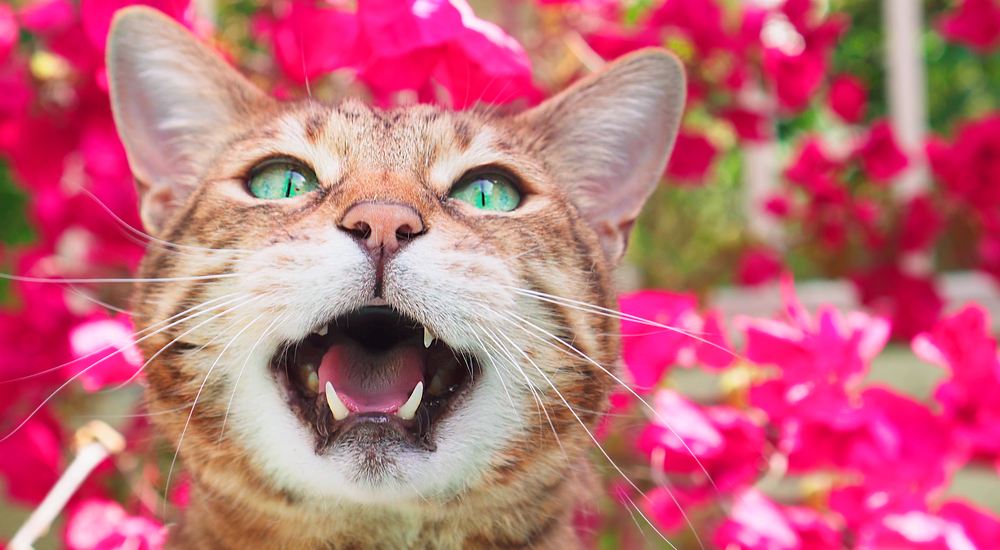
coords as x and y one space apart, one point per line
441 271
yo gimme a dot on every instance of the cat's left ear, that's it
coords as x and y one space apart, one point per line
608 138
174 102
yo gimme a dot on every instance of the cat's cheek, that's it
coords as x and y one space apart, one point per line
307 280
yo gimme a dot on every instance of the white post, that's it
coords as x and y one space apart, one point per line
902 22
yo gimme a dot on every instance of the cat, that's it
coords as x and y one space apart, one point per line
376 336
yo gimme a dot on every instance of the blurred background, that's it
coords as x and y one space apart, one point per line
853 144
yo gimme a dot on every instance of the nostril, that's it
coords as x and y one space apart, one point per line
406 232
361 230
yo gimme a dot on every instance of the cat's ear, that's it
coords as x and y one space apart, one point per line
608 138
173 100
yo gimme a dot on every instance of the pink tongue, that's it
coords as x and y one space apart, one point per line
372 381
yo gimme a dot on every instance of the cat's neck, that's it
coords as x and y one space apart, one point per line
528 514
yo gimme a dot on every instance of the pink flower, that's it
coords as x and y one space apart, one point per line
31 458
880 155
699 20
691 159
310 39
795 77
103 525
911 302
8 31
969 167
46 16
974 23
755 522
813 168
778 205
757 266
713 351
668 506
749 125
848 98
648 350
104 352
921 224
96 15
956 526
962 345
686 439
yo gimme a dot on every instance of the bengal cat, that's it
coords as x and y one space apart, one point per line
373 341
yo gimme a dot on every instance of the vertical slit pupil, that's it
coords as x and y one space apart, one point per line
288 183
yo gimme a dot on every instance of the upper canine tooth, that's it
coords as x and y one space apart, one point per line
323 331
428 338
409 409
337 406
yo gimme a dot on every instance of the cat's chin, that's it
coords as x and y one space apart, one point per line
373 382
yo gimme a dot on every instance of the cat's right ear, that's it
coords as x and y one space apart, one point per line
173 99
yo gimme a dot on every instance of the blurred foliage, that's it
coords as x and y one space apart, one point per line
14 227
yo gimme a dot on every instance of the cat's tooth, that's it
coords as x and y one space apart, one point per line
428 338
409 409
312 379
437 385
337 406
323 331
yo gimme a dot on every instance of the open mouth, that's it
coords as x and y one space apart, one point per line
373 371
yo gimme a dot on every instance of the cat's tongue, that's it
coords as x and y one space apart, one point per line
372 381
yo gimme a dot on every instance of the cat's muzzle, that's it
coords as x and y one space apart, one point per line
374 373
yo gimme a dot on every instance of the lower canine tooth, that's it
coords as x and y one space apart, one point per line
409 409
337 406
312 380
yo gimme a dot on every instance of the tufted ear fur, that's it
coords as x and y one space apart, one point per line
609 137
173 101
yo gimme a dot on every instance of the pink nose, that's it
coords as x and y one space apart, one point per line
382 225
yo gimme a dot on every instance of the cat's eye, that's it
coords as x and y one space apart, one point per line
488 192
282 180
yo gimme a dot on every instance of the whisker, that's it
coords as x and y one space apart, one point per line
591 308
122 349
547 417
142 234
611 461
60 388
53 280
620 382
194 404
182 335
267 332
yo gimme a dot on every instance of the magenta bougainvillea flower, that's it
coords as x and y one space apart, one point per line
692 158
963 346
974 23
649 350
720 447
848 98
880 155
104 353
31 459
98 524
758 266
969 167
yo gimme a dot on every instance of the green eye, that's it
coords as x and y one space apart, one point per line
488 192
282 180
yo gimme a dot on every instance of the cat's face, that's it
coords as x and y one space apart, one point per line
376 315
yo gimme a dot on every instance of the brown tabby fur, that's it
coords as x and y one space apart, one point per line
528 496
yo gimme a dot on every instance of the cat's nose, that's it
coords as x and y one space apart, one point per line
382 226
